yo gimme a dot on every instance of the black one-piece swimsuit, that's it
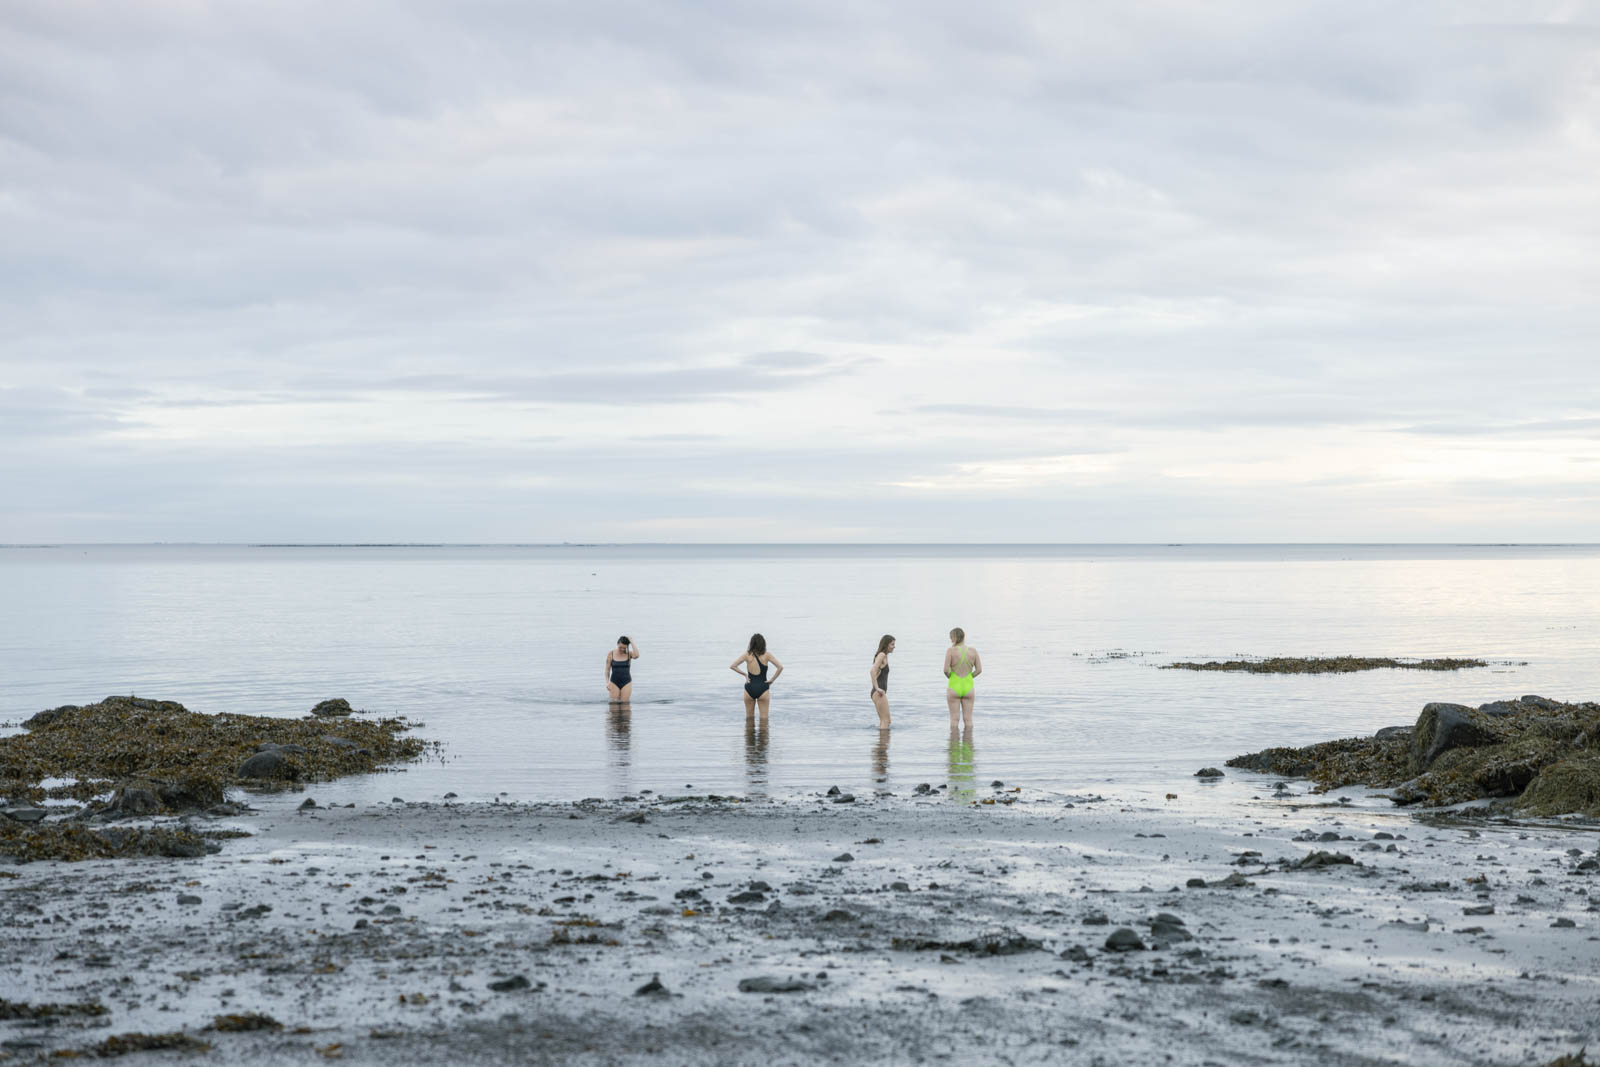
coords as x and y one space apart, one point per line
758 684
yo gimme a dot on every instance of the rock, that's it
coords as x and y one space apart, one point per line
1319 859
1478 909
340 742
833 791
1442 727
1123 939
759 886
510 985
1096 918
846 798
1327 835
768 984
843 857
1245 1018
1420 926
1208 772
900 887
188 899
267 765
996 943
308 802
1077 954
25 814
637 818
1499 709
748 897
1541 703
1195 883
652 988
45 718
133 801
996 784
838 915
287 750
1392 733
922 789
335 708
1563 923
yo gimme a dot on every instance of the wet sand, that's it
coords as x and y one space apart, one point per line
910 928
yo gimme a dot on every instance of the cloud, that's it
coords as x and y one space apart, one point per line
859 245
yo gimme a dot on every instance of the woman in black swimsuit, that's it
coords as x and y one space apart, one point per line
619 670
878 674
753 665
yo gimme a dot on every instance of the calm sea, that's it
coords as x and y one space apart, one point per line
499 651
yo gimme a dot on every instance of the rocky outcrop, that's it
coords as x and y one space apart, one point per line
1542 756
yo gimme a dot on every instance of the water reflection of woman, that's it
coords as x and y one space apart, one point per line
756 735
880 758
963 768
619 745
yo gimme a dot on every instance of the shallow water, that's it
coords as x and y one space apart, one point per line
500 651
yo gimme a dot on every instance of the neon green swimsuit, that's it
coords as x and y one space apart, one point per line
961 684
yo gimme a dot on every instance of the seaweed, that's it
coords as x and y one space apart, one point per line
1325 664
183 759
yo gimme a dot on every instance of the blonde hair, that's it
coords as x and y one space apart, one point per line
958 635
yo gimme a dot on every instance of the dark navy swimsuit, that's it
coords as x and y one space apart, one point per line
621 675
758 684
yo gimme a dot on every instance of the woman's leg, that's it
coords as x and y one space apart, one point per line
966 710
765 701
749 703
614 693
955 708
880 701
627 693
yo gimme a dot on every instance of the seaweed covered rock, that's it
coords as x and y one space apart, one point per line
1455 753
144 748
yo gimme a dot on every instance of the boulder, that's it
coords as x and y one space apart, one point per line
1208 772
134 800
45 718
271 764
1393 732
1124 939
335 708
1442 727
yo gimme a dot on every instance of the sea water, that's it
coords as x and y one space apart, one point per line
500 652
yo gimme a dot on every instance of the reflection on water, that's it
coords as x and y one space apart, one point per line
756 735
880 758
619 746
963 768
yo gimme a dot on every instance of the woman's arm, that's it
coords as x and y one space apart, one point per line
872 671
977 663
607 669
633 650
947 654
737 663
773 660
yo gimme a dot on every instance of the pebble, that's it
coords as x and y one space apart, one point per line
188 899
1123 939
843 857
509 985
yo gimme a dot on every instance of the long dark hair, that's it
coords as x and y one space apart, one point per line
758 645
883 643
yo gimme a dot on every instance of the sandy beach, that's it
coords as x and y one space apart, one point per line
1276 927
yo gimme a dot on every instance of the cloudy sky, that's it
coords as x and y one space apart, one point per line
768 271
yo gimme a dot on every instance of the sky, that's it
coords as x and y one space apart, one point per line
763 271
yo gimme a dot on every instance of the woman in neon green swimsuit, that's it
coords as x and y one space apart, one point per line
961 666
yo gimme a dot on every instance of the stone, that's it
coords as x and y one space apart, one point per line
1442 727
838 915
748 897
1208 772
1563 923
1320 859
133 800
335 708
1077 954
510 985
1392 732
765 983
188 899
843 857
45 718
1123 939
308 802
267 765
652 988
1096 918
1478 909
25 814
922 789
1195 883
